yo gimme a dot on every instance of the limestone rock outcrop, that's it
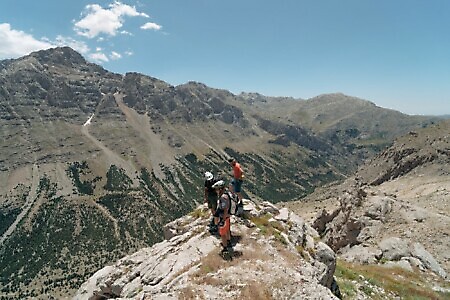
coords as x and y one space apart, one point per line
276 254
368 228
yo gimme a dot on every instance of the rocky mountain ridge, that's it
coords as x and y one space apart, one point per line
276 256
93 164
60 85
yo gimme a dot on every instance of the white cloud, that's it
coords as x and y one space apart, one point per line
98 57
98 20
16 43
129 53
151 26
114 55
126 10
124 32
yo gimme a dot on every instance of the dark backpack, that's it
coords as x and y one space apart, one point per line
209 184
236 206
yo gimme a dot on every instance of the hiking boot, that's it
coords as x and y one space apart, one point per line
213 229
227 253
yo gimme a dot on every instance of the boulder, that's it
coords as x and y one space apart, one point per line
427 259
414 262
268 207
394 248
283 215
377 207
361 254
326 262
369 229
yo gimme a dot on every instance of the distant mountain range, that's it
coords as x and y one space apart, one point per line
93 163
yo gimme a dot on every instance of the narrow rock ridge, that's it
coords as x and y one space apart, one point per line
276 255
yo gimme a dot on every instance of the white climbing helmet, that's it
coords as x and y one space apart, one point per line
219 185
208 175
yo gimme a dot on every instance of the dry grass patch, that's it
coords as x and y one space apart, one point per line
211 280
189 293
277 225
252 255
407 285
211 263
256 291
200 212
254 251
262 221
270 228
290 257
306 254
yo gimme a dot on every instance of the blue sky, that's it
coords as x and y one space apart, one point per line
395 53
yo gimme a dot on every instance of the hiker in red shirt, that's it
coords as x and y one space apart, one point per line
238 176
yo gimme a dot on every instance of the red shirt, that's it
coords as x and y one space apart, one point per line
237 171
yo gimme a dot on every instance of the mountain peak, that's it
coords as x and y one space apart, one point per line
60 55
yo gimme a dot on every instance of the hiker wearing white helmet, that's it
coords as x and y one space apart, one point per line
223 213
210 197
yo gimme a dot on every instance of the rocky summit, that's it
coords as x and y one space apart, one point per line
276 256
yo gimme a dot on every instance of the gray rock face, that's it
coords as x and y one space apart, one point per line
428 260
397 249
378 208
394 248
360 254
283 215
327 265
324 217
362 218
268 261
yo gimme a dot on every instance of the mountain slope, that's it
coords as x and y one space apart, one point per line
93 163
359 126
395 211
